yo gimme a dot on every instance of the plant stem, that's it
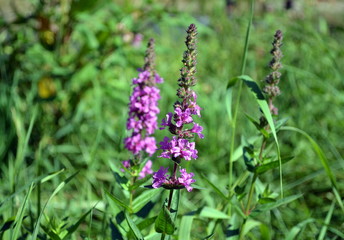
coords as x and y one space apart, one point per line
232 146
250 194
175 166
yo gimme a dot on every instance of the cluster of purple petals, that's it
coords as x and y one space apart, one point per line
143 110
146 170
161 178
178 147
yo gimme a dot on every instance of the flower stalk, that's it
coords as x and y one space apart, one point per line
142 120
181 124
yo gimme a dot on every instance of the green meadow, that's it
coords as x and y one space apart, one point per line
66 78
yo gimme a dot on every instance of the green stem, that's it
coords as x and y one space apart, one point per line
250 194
235 115
175 166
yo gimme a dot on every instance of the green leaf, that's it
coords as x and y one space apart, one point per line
296 229
20 214
257 125
59 187
249 225
185 227
42 178
7 224
209 212
175 204
75 226
255 90
266 200
133 227
117 201
146 223
50 233
323 160
216 189
269 206
139 182
271 165
164 223
144 198
326 222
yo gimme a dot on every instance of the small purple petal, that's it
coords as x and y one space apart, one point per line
159 177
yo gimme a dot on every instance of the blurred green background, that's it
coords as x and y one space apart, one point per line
66 69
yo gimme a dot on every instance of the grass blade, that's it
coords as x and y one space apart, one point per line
327 222
20 215
323 160
59 187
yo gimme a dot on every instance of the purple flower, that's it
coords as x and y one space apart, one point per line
126 164
182 117
166 122
185 179
137 40
143 110
160 177
147 169
197 129
178 148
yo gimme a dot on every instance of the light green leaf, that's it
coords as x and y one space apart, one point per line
185 227
209 212
20 214
133 227
117 201
216 189
144 198
59 187
269 206
323 160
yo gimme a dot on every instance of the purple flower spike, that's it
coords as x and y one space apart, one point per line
143 107
186 179
159 177
180 146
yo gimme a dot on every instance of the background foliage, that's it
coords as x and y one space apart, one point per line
66 69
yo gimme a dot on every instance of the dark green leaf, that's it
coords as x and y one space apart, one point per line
75 226
164 223
146 223
257 125
7 225
271 165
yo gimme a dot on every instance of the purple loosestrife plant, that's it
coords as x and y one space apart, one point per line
143 110
181 124
271 88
